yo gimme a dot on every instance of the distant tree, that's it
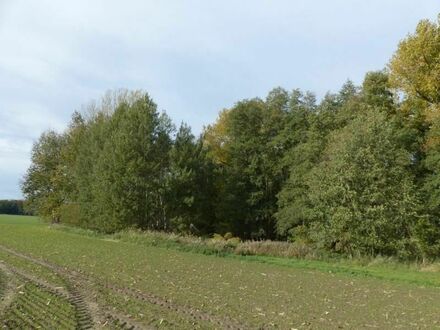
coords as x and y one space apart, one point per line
12 206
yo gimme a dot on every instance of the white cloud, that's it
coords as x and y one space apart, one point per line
27 120
15 155
194 57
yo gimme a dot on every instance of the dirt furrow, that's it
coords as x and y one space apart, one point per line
195 314
79 292
10 289
82 315
70 293
80 279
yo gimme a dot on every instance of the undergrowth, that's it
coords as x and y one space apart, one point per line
273 252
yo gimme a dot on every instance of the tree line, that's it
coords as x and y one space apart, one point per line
355 173
12 206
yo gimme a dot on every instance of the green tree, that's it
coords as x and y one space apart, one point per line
414 72
43 181
307 130
294 205
250 176
376 91
12 206
191 193
363 196
87 173
133 166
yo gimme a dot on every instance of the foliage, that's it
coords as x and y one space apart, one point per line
415 65
356 173
361 183
10 206
414 72
190 185
42 185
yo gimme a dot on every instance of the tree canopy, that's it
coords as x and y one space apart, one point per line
357 172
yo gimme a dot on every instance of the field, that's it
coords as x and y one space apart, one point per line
61 280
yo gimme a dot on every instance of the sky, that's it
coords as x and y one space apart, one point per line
194 57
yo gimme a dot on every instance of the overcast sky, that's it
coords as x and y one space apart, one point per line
193 57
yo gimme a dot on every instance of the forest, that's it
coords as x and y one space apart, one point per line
356 172
12 206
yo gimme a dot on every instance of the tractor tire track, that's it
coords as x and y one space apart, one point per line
88 313
82 316
195 314
80 279
70 292
9 291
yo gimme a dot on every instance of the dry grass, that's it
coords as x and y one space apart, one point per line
431 268
275 249
219 244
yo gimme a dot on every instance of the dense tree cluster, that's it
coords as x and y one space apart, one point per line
356 173
12 206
